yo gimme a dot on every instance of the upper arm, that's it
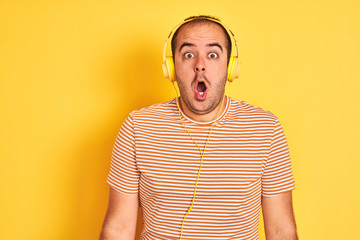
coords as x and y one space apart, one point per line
278 217
121 216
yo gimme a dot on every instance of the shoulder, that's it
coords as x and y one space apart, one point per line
244 109
158 111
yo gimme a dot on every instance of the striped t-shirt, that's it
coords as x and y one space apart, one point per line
246 158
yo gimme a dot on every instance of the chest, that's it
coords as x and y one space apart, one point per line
233 160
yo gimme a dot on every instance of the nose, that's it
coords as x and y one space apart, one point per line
200 65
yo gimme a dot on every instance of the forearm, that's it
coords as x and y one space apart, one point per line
121 217
279 221
109 232
287 231
289 234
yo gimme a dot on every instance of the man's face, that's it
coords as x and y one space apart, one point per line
201 67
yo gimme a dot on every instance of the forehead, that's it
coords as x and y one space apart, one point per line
198 33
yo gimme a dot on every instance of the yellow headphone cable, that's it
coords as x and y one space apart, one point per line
201 152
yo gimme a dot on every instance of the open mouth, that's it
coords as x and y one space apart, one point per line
201 88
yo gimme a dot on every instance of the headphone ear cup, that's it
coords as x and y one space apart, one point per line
234 67
169 69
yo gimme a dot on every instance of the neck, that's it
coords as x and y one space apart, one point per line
204 117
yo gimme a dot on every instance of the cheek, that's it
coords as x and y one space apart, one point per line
183 69
225 67
218 69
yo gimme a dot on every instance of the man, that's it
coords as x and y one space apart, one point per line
203 164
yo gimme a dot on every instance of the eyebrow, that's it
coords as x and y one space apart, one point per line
215 45
191 45
185 44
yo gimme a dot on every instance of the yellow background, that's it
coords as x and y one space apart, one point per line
71 71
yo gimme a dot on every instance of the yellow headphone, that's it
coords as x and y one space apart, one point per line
234 64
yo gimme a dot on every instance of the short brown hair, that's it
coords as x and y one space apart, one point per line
201 19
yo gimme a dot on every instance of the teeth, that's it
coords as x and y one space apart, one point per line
201 93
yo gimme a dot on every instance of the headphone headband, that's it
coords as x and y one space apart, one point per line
233 65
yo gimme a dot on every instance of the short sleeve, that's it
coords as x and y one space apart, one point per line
124 175
277 176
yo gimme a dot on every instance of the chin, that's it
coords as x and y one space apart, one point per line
202 110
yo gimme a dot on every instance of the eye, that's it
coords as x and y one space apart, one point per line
189 55
213 55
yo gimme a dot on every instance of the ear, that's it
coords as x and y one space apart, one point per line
234 67
169 69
